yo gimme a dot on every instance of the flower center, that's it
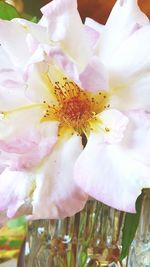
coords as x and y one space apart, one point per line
75 108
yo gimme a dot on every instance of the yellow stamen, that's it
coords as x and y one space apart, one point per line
75 108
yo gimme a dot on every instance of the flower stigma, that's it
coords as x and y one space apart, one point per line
75 108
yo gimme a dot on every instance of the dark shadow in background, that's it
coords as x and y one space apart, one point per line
99 10
32 7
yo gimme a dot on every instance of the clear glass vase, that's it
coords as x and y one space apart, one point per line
139 255
91 238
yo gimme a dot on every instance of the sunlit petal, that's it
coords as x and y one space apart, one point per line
55 186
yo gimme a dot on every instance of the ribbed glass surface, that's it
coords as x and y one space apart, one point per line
139 255
91 238
88 239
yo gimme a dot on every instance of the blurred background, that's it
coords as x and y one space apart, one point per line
96 9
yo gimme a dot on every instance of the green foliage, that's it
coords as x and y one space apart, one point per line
3 241
15 243
34 19
130 227
8 12
18 222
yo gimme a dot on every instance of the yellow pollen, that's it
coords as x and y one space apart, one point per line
75 108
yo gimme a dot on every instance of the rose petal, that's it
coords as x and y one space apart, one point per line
37 31
130 75
26 142
111 174
135 95
95 26
12 38
138 135
40 88
93 30
12 197
114 123
120 25
17 121
54 183
12 87
65 26
5 62
133 57
94 77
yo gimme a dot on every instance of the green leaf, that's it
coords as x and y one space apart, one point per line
130 226
8 12
21 221
3 241
34 19
30 17
15 243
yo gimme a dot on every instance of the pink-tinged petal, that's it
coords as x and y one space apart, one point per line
65 26
13 41
43 145
46 65
134 95
54 57
10 78
5 62
56 195
32 43
95 26
14 191
93 36
45 132
40 88
12 87
134 59
25 31
17 121
93 30
114 123
26 142
129 72
112 174
138 136
121 24
95 76
38 32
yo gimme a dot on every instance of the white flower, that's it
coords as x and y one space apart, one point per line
75 103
